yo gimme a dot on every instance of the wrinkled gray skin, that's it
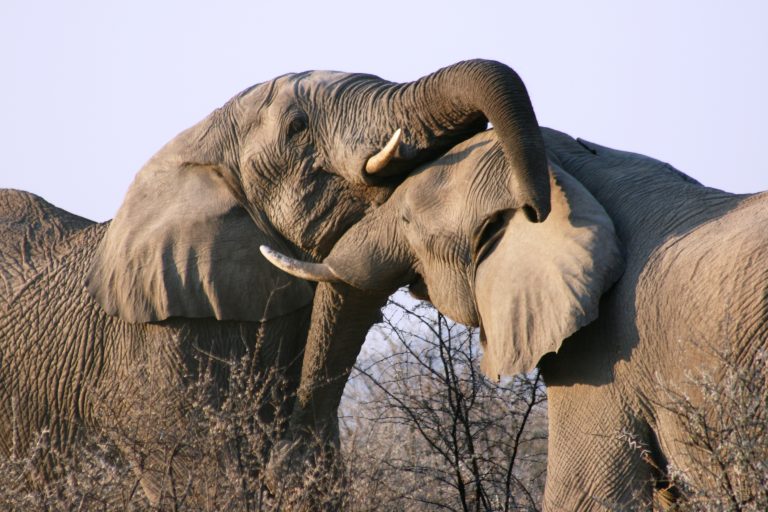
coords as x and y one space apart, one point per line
687 269
177 273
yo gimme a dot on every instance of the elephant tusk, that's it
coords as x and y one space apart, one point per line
301 269
380 160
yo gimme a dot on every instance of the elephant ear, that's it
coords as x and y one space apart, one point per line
182 246
542 282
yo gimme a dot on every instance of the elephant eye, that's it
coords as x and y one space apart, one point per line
488 234
296 126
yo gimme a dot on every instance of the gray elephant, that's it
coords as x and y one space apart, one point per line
292 163
637 278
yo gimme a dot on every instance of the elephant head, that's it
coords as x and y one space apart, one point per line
293 163
455 234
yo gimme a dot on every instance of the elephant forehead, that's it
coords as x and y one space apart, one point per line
311 79
437 189
287 87
314 92
461 189
316 87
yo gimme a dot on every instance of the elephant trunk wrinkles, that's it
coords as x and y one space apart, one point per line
466 95
329 359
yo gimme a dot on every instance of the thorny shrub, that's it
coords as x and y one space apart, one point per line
726 429
421 429
425 430
224 438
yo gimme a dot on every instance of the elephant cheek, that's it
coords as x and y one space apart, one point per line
452 296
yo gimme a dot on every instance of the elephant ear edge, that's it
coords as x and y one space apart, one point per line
182 246
543 282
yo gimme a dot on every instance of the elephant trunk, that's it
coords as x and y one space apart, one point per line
457 101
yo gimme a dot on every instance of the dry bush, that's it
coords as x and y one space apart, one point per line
214 461
423 429
726 430
90 478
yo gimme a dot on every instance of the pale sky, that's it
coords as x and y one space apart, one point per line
90 90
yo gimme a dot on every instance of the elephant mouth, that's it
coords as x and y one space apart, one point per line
418 289
483 338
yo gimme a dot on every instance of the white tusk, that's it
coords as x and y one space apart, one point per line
298 268
380 160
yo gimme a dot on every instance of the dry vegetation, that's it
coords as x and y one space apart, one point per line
421 429
223 438
425 430
729 437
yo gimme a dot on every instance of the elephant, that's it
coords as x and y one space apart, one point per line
638 280
97 312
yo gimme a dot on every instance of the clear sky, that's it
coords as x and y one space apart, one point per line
90 90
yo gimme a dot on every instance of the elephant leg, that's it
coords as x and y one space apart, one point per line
279 357
144 410
153 434
599 454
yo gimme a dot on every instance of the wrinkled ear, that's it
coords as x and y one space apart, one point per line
542 282
181 245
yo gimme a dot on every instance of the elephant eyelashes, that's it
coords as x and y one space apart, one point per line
296 126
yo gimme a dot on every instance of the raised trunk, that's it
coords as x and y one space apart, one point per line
447 106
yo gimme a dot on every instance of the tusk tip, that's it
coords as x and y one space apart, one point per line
394 142
277 259
268 252
380 160
265 250
319 272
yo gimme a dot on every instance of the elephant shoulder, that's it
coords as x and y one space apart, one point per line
712 280
34 234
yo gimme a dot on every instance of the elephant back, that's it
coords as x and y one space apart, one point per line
33 235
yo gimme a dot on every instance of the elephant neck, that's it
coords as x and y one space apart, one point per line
651 202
